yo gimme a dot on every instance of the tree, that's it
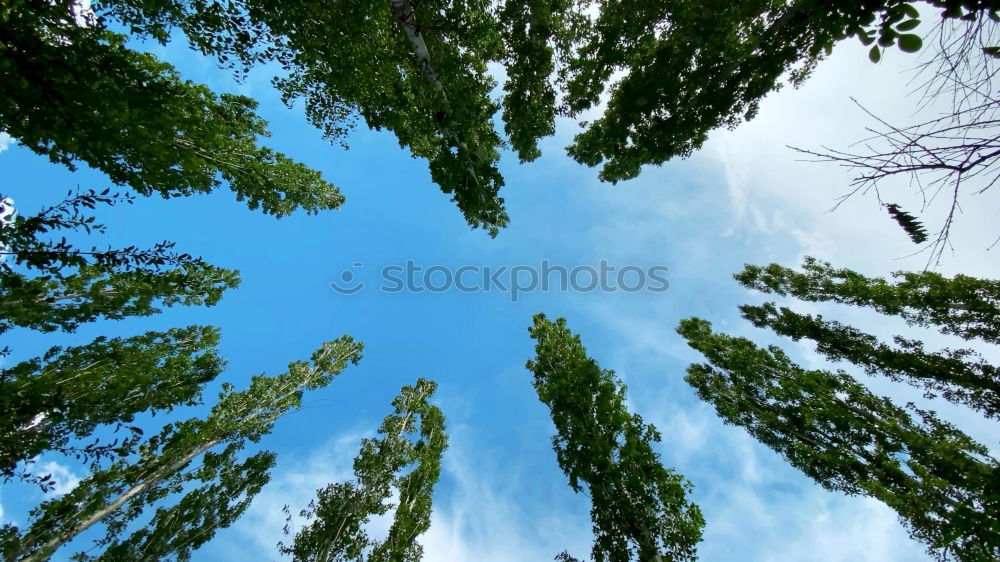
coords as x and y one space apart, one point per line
51 285
68 393
71 90
337 516
173 461
962 306
959 375
640 509
418 70
943 485
677 70
926 299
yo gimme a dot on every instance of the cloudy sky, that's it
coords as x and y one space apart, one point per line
744 198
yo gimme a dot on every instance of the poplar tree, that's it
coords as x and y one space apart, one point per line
963 306
959 375
73 91
416 69
944 485
672 72
412 437
214 487
68 393
640 509
50 284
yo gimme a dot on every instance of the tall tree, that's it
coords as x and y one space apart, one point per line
678 70
416 69
72 90
963 306
68 393
640 509
175 460
675 70
959 375
944 486
50 284
337 516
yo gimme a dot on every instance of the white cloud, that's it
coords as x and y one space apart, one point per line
63 479
5 141
489 517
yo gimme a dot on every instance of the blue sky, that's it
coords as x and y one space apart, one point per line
743 199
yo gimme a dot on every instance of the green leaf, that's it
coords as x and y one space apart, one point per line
866 38
908 25
909 10
910 43
875 55
992 51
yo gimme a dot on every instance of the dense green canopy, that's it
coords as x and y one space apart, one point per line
640 509
944 486
72 90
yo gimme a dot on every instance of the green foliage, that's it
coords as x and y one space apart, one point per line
677 70
339 512
226 490
673 72
535 33
50 285
640 509
67 393
942 484
962 306
909 223
418 70
179 460
73 91
960 375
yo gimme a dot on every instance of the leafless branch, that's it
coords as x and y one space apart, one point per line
950 155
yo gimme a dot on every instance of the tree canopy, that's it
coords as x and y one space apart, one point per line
640 509
215 487
72 90
944 485
50 284
69 392
417 70
412 438
672 72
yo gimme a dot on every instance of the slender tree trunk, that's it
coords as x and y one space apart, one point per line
50 547
402 10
